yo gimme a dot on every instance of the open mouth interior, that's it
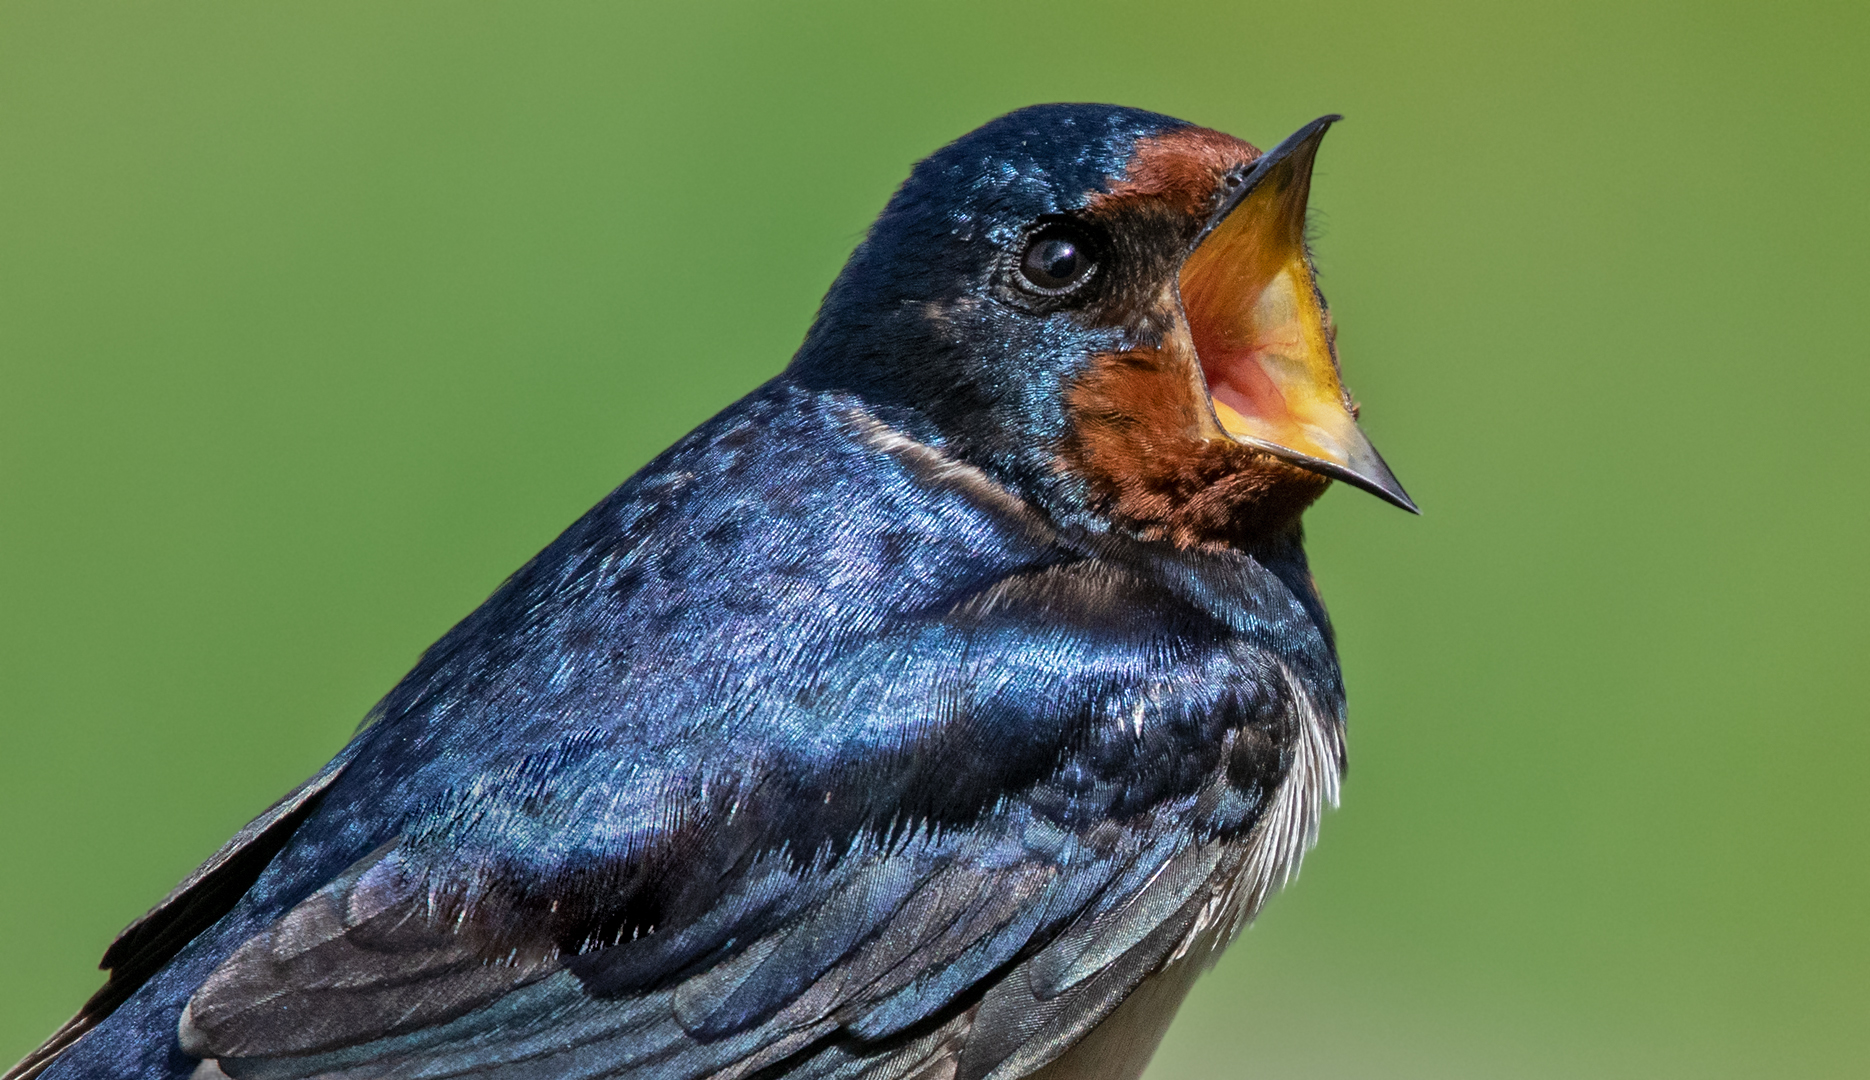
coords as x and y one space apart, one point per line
1261 331
1269 369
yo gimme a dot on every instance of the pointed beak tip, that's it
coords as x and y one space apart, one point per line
1366 469
1385 487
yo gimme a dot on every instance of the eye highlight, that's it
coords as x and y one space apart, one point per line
1057 260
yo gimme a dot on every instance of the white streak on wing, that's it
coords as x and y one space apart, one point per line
936 467
1286 830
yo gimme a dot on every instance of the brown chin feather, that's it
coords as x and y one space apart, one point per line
1143 433
1141 437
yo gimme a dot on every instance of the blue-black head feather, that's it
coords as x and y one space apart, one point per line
920 323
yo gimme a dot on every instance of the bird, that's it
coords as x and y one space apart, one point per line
937 711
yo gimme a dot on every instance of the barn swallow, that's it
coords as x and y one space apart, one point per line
935 712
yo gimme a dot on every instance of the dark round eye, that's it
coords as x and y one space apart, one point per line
1056 261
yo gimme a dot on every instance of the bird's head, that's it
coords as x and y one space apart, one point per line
1112 312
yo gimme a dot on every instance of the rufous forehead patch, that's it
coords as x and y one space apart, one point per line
1180 167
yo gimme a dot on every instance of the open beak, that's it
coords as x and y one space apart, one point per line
1259 326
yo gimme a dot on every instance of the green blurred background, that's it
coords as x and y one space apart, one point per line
317 319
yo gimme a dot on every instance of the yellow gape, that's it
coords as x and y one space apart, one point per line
1261 331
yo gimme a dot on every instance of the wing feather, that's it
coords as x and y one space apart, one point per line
204 896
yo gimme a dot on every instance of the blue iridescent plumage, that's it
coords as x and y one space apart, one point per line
853 732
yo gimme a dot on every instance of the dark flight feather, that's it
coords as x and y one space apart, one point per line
147 944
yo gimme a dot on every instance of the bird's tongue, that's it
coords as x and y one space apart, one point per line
1259 326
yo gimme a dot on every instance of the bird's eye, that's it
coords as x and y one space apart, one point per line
1056 261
